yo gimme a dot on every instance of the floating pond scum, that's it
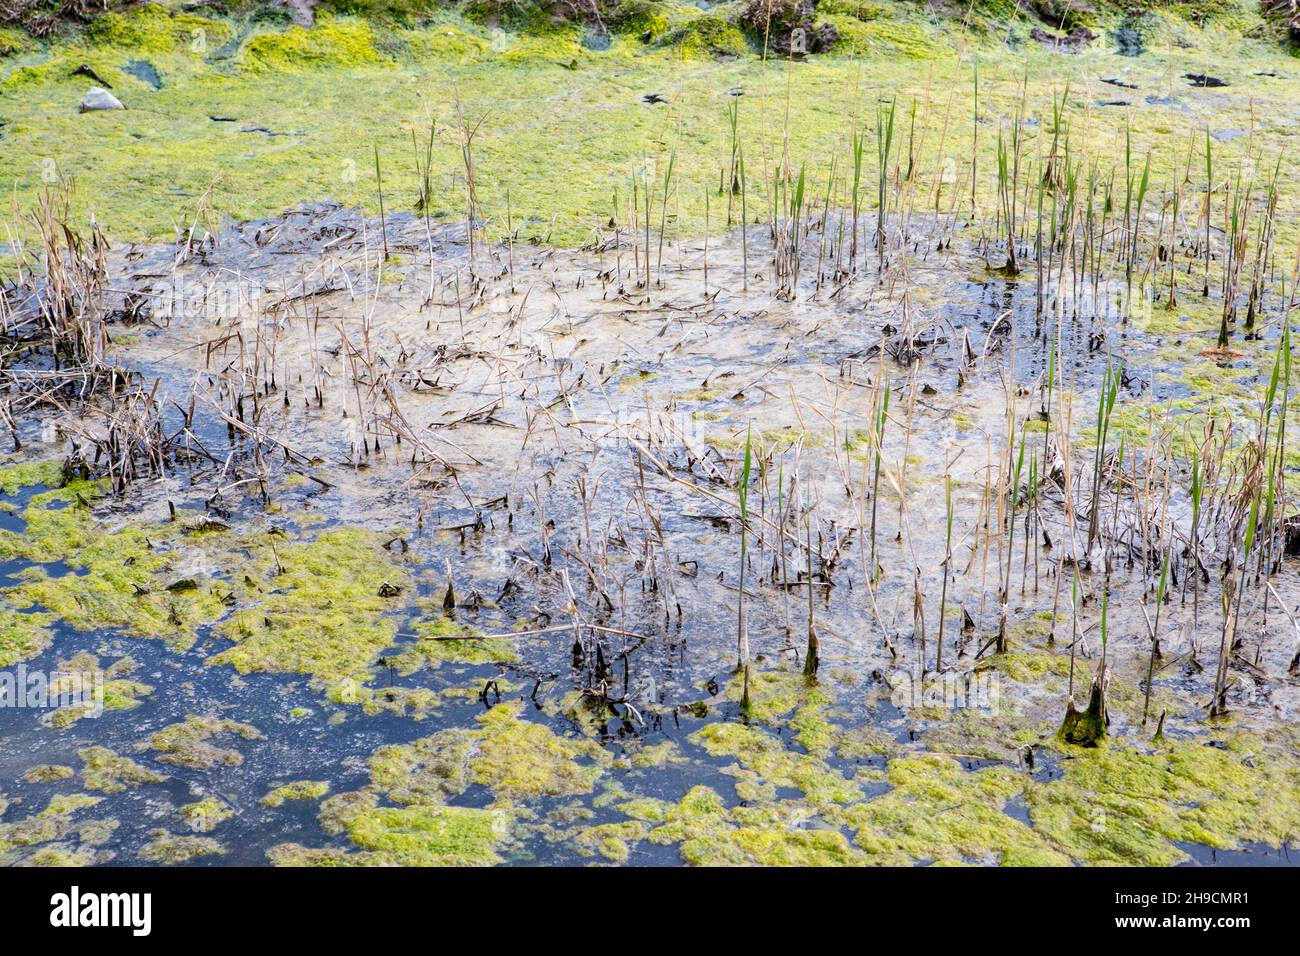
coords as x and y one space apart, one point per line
642 434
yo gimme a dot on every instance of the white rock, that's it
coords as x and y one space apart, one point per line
97 98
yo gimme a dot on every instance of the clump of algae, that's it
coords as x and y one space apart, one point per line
513 757
439 639
23 635
109 772
779 697
939 812
169 849
47 773
317 607
764 765
416 835
203 816
1120 805
516 759
118 578
710 834
114 691
427 835
30 474
613 841
54 837
189 742
297 790
330 43
426 771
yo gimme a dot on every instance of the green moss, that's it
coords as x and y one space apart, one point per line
317 609
108 772
774 696
445 44
189 743
858 9
639 18
708 35
891 37
203 816
152 28
14 42
330 43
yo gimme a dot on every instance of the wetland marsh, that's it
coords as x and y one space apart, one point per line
488 434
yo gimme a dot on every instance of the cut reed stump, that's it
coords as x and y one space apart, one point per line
1087 728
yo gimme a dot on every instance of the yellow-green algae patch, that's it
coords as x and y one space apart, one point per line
203 816
765 765
47 773
642 756
416 835
775 695
108 772
1118 805
613 841
23 635
54 837
297 790
428 835
169 849
512 757
519 758
318 607
427 770
439 639
189 742
939 812
30 474
123 578
710 834
91 690
330 43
